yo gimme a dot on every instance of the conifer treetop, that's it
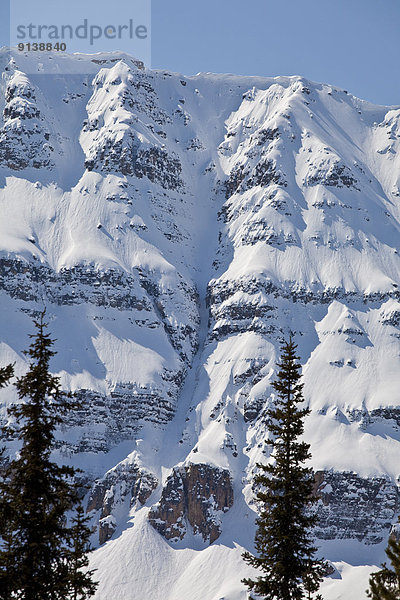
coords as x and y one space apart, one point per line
285 550
41 556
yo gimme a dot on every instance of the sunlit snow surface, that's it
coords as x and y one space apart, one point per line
308 245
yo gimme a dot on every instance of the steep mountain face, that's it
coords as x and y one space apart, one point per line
177 229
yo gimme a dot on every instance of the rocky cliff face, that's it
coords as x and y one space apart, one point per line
25 136
115 145
125 483
195 495
353 507
176 229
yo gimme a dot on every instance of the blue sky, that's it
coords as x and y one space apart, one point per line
354 44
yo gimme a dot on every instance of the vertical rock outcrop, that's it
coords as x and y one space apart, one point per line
120 145
127 482
194 495
24 137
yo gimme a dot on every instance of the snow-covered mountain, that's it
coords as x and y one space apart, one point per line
176 229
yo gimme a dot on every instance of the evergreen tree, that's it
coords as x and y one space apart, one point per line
283 541
36 493
79 582
385 584
5 375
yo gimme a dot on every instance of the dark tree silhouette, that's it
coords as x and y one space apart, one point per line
385 584
36 494
283 541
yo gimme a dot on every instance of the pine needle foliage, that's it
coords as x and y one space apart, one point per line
283 541
6 374
385 584
79 578
36 494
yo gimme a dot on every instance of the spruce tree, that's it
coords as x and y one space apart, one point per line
283 541
79 581
36 493
385 584
5 375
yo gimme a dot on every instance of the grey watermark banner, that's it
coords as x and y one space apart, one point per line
45 29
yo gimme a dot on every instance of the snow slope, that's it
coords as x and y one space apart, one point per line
177 228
